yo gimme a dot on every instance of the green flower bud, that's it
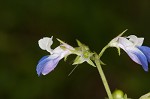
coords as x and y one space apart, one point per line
118 94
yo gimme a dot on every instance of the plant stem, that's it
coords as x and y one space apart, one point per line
103 50
103 78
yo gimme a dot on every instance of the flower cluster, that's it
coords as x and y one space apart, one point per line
47 63
132 45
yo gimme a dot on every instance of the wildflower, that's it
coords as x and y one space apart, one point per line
132 45
49 62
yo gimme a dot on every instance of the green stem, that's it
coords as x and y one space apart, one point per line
103 50
103 78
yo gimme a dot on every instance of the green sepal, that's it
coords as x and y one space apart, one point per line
79 43
91 63
125 96
118 49
102 63
112 43
63 47
83 46
78 60
122 33
77 51
60 41
65 58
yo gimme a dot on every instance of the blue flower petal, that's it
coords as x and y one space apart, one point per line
41 64
44 57
143 60
146 51
47 64
50 65
137 56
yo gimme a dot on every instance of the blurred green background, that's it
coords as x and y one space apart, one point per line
93 22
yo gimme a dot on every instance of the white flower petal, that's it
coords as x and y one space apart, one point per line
63 51
45 43
125 42
136 41
132 38
58 50
140 41
53 56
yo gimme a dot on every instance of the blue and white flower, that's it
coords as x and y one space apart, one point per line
49 62
132 45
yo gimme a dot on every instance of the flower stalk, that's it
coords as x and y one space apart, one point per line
102 75
103 50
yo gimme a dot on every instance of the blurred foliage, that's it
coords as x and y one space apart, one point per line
93 22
